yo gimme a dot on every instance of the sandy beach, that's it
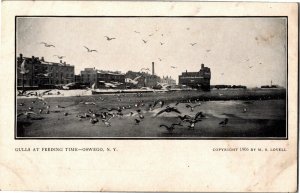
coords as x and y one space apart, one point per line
247 118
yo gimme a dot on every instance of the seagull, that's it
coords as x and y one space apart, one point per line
173 66
147 69
27 114
187 28
187 118
145 41
245 110
23 69
192 44
108 38
137 32
159 102
192 107
223 123
21 104
207 50
109 109
87 103
58 106
137 121
150 34
171 127
89 50
168 109
59 57
192 123
94 120
250 66
161 43
159 59
47 45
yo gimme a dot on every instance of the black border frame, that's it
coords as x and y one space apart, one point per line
157 138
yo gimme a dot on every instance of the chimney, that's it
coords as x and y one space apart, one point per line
64 62
42 59
21 56
202 66
32 57
60 61
153 68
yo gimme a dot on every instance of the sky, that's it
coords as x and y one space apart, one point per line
241 51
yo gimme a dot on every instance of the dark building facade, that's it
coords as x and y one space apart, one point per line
198 80
42 74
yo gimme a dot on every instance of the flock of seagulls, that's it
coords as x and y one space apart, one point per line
106 115
145 41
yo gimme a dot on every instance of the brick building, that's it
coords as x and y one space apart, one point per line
198 80
42 74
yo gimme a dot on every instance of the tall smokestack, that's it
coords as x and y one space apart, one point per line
152 68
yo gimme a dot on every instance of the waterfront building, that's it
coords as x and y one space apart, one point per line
198 80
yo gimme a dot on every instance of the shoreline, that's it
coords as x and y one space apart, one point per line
175 95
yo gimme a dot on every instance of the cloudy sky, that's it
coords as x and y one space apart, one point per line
247 51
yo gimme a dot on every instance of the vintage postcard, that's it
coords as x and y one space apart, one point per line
149 96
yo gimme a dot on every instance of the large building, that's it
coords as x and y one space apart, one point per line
42 74
102 78
168 80
198 80
144 80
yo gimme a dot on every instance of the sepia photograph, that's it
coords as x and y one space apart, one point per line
163 77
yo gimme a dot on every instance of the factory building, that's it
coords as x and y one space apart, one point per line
144 80
168 80
42 74
198 80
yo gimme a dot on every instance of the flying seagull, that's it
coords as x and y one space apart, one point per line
250 66
137 32
161 43
159 59
145 41
171 127
150 34
47 45
160 102
192 44
168 109
108 38
192 107
173 66
89 50
145 69
59 57
23 69
27 114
